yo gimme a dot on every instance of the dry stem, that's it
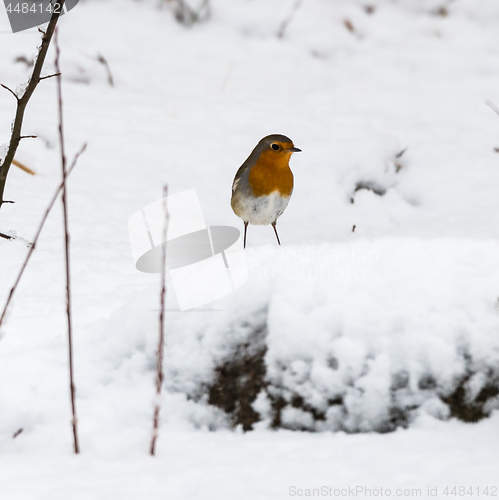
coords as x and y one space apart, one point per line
161 340
74 421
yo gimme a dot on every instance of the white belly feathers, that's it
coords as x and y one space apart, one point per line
262 210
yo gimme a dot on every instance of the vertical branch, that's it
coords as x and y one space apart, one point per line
161 340
66 247
23 100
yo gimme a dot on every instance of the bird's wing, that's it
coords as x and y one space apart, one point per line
238 176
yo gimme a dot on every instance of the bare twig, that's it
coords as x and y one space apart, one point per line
37 234
401 153
11 91
49 76
348 25
24 99
397 161
492 106
104 62
6 236
74 421
161 340
19 431
287 21
23 59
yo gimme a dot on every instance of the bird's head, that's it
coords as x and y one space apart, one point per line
274 150
277 146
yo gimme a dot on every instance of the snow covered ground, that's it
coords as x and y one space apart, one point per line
390 318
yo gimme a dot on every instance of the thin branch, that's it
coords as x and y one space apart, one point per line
401 153
348 25
11 91
28 137
49 76
287 21
161 341
104 62
24 99
74 421
23 59
19 431
492 106
6 236
39 230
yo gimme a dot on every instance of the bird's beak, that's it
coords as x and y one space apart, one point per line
294 150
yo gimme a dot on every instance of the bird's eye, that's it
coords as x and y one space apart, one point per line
275 146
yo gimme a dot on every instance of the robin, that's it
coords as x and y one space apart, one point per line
264 183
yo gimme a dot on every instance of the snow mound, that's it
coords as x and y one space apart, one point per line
359 336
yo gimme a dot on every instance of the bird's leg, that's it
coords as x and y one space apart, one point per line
275 231
245 229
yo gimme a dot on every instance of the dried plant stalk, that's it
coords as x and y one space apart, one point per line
74 421
161 340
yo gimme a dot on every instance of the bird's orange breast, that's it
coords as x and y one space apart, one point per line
271 173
